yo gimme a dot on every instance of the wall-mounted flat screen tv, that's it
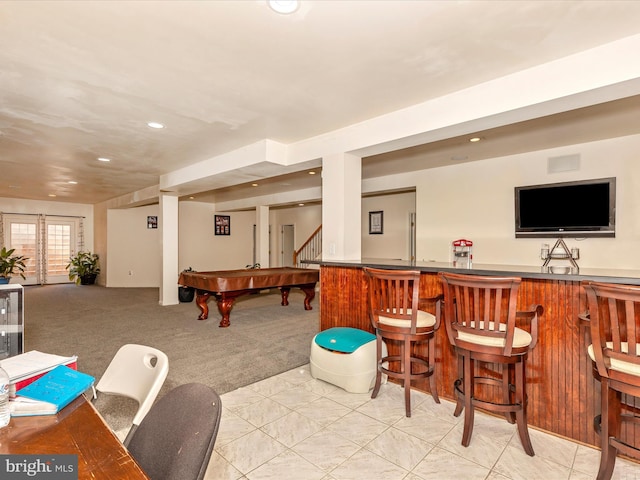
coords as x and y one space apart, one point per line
585 208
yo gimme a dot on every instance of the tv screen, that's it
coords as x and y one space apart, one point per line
584 208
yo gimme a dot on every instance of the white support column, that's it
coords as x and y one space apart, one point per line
341 207
169 230
262 235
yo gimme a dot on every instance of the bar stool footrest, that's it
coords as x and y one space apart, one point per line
495 407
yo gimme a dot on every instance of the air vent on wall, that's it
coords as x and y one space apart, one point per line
564 163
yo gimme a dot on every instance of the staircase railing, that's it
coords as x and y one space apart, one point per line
310 249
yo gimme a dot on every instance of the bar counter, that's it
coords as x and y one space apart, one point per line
611 275
563 395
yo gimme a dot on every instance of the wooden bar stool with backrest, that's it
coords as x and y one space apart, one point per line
480 317
614 319
394 304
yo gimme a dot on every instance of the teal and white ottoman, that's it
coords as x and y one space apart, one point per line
345 357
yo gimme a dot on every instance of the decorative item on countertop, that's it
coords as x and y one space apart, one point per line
544 251
560 251
83 268
462 251
11 264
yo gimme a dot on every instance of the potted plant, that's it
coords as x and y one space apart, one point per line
83 268
11 264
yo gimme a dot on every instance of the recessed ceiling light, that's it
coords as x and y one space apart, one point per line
284 6
104 159
474 139
52 195
312 172
301 204
155 125
254 184
72 182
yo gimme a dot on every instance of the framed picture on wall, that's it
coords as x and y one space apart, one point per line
223 225
152 221
375 223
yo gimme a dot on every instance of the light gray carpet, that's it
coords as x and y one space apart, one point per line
264 338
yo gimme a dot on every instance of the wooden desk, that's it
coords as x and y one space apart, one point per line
227 285
78 430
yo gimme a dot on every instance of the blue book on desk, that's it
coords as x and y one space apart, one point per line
51 392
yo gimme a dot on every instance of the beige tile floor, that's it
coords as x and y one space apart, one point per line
293 426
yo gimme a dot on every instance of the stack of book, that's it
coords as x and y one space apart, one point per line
43 383
27 367
51 392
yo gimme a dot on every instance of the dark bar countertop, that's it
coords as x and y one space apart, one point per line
608 275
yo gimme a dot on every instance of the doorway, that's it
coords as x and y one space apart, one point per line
255 247
288 248
46 241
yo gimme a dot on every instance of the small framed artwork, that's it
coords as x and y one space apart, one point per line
152 222
375 223
223 225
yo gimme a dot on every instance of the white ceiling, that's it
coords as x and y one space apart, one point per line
80 80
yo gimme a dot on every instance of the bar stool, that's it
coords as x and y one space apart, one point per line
394 304
480 318
614 319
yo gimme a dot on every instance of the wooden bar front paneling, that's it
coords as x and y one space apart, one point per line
563 395
343 298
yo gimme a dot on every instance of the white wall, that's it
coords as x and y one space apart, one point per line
201 250
476 201
133 248
305 220
394 241
199 247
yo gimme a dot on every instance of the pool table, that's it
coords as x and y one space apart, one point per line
227 285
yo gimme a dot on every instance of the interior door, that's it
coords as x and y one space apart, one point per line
288 233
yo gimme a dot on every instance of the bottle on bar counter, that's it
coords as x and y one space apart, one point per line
5 412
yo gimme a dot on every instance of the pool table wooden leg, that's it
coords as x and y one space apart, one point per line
201 301
310 293
285 295
225 304
224 307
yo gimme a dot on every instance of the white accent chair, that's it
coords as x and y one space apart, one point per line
137 372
